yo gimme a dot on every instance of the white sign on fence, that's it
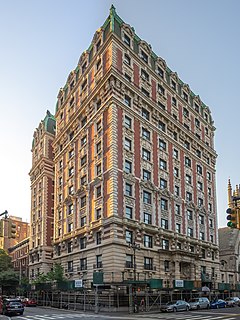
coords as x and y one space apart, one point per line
78 283
179 283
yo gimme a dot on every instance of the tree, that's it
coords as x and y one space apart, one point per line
5 261
57 273
8 281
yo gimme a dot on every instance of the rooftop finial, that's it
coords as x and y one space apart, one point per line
112 10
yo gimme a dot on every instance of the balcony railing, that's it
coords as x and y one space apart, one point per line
68 270
129 264
98 265
82 267
149 267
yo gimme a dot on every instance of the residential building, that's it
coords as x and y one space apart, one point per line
42 198
134 168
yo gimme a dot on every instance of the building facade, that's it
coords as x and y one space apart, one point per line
135 190
20 257
42 198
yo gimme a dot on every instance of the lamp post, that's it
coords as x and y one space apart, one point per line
135 246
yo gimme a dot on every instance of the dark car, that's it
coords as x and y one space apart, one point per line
12 307
218 304
179 305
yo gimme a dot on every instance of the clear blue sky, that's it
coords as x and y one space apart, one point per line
41 42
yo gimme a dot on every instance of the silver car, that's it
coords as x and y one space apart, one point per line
199 303
179 305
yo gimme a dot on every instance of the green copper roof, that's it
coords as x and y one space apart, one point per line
49 122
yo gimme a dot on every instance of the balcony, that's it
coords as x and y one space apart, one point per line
82 267
129 264
149 267
98 265
69 270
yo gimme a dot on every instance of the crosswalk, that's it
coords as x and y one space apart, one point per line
188 316
58 316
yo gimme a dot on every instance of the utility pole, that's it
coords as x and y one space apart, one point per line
135 246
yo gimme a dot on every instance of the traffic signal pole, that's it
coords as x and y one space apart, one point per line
233 214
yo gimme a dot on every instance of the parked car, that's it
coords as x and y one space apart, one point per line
29 302
179 305
12 307
230 302
237 301
199 303
219 303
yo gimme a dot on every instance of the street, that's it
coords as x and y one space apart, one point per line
39 313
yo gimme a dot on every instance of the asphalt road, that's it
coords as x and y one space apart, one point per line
39 313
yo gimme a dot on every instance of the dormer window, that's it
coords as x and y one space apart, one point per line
144 75
185 96
127 39
160 72
144 56
98 45
173 85
161 90
84 66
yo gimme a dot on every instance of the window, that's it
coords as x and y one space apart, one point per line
174 101
165 244
69 247
145 92
178 227
129 236
196 107
176 172
99 237
128 122
163 183
148 241
161 125
71 135
176 191
129 212
99 125
148 263
127 100
145 134
185 96
128 189
197 123
190 232
83 201
60 165
203 256
164 223
144 56
146 175
129 261
201 235
147 218
173 85
185 112
70 227
126 39
162 145
145 114
199 186
128 166
188 162
127 59
98 147
206 117
189 214
211 238
83 141
60 181
98 213
177 209
166 266
128 144
175 153
198 153
164 204
147 197
70 266
209 192
128 77
208 176
83 264
188 179
146 155
199 169
70 209
160 72
98 65
163 164
187 145
144 75
175 136
83 221
210 207
161 90
99 261
161 105
83 160
200 202
83 180
99 169
210 223
201 219
71 154
70 171
98 191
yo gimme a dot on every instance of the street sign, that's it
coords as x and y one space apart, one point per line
78 283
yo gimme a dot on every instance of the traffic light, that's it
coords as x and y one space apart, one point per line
1 228
232 217
11 229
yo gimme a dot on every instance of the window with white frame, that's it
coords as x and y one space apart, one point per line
147 197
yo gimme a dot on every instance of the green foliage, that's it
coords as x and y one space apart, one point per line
9 278
56 274
5 261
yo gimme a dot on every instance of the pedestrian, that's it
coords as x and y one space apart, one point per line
142 303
